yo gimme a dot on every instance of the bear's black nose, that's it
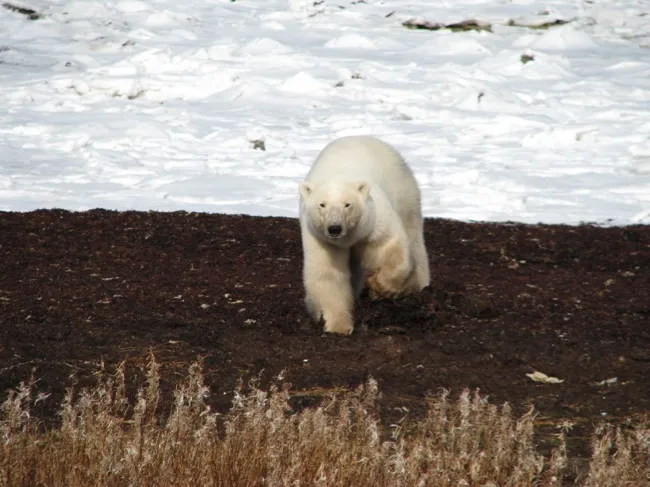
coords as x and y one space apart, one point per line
334 230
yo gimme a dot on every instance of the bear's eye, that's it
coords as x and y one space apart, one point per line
348 205
322 205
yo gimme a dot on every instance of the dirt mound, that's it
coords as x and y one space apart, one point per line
506 300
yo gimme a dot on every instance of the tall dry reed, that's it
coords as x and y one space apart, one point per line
104 440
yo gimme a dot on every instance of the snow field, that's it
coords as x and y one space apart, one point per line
157 105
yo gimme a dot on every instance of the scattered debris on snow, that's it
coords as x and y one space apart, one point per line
462 26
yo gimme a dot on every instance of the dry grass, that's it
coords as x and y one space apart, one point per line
103 440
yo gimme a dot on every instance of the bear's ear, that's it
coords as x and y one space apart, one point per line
305 189
364 188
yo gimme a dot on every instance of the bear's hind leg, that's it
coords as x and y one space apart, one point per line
357 274
422 274
393 276
421 277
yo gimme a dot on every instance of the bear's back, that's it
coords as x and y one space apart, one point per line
367 158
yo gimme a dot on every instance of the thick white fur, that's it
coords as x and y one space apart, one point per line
360 217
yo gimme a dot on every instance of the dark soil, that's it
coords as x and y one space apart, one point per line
505 300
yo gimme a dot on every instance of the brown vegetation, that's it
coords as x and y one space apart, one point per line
104 440
507 300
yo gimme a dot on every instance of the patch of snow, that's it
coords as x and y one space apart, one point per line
131 104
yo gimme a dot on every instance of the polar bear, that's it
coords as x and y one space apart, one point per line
360 219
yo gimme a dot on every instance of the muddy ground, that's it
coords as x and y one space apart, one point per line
506 300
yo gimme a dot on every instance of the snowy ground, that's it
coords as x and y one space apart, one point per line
155 105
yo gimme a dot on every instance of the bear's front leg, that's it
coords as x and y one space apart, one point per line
328 290
391 278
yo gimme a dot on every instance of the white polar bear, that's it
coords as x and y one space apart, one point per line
360 216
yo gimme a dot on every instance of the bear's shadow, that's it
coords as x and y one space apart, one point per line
425 311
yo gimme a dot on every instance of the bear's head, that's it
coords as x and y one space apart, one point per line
334 210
